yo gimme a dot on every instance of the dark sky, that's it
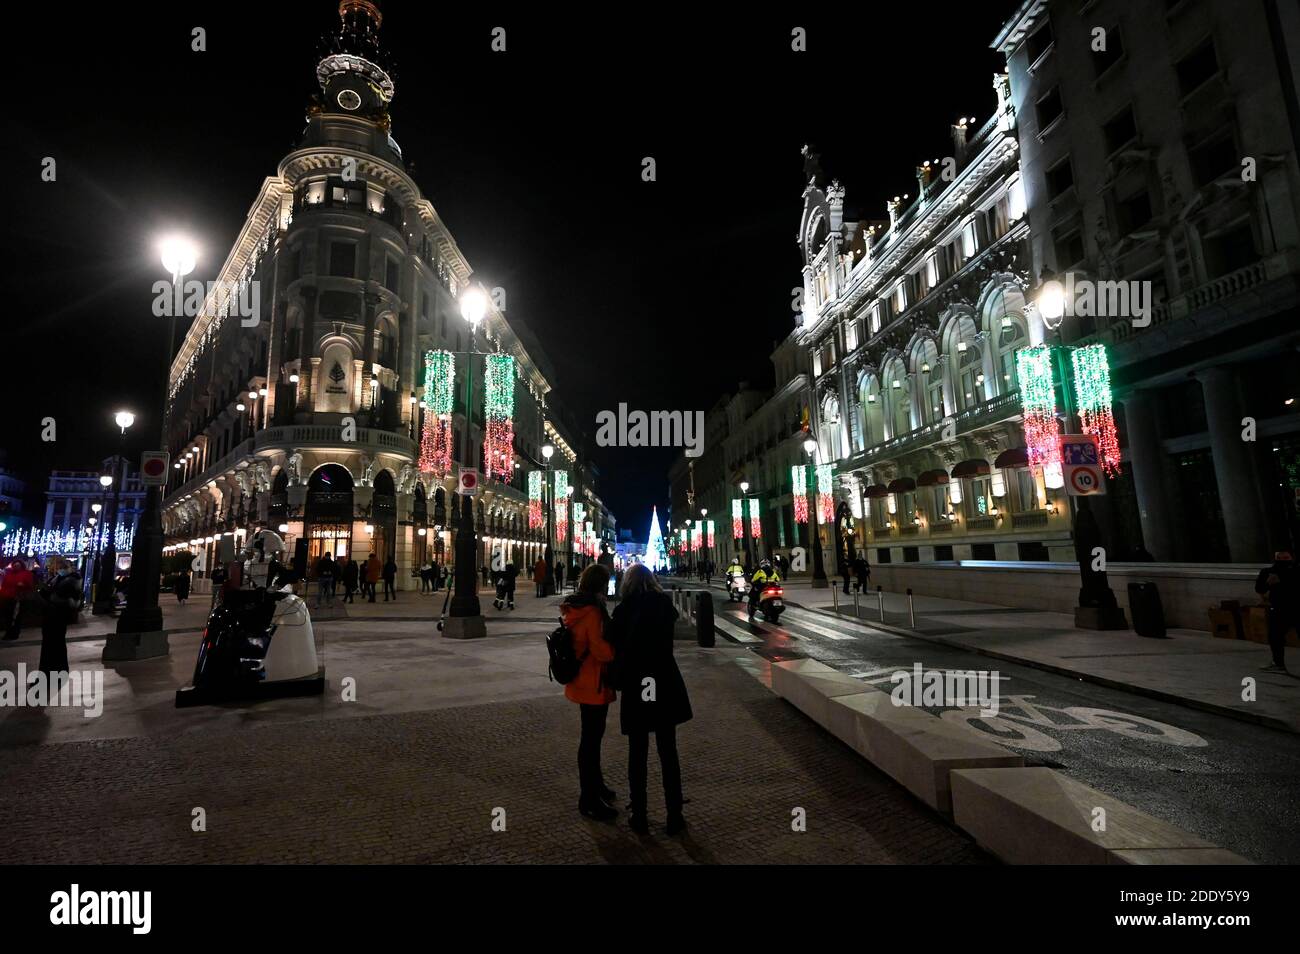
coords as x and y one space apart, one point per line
664 295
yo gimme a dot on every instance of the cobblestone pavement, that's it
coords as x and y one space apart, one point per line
321 780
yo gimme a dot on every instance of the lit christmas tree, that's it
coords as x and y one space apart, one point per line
656 557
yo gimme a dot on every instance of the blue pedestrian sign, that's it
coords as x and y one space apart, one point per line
1081 465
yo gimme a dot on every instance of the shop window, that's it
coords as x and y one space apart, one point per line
943 554
1031 550
884 555
983 551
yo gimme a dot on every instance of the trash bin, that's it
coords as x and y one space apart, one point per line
704 619
1146 610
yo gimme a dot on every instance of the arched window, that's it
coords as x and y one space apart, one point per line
929 376
965 363
873 411
1003 311
832 431
898 400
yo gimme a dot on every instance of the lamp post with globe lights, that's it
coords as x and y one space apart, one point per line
548 581
140 627
819 580
1098 608
744 503
465 616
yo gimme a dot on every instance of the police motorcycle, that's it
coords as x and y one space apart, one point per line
737 585
258 642
767 596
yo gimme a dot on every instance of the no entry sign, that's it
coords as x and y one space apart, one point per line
1081 465
153 468
468 481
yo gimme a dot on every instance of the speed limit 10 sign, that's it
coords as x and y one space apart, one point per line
1081 465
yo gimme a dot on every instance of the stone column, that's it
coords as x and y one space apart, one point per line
1147 459
1234 466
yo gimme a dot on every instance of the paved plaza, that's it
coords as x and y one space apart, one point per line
442 736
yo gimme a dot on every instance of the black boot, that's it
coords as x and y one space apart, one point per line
638 823
676 823
597 810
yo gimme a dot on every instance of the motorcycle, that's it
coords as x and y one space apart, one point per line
737 588
771 602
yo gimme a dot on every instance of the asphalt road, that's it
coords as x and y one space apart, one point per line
1231 782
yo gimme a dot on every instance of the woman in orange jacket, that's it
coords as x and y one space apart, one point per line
585 616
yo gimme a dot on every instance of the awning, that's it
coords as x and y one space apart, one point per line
902 485
876 491
975 467
1014 457
932 478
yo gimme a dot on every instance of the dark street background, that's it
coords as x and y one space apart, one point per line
664 295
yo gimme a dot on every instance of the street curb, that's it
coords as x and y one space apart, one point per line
1268 722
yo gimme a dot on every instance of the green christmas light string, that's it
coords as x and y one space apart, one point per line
439 391
499 411
1093 396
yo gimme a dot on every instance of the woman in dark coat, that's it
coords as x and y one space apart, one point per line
182 586
653 691
61 595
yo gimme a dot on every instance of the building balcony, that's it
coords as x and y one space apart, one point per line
371 441
993 411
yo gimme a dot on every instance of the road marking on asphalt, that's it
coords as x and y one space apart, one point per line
734 632
806 623
766 627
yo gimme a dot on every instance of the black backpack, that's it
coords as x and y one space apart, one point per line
564 663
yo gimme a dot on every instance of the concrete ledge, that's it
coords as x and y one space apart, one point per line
810 686
914 748
1038 816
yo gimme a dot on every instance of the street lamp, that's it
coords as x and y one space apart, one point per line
548 558
104 603
465 616
744 498
139 632
814 531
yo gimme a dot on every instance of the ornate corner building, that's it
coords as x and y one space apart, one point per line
1117 165
310 417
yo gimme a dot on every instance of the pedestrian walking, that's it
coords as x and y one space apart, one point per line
439 576
61 594
539 576
426 577
183 585
862 569
390 576
510 574
350 576
654 693
585 617
1280 585
18 585
325 578
373 572
559 577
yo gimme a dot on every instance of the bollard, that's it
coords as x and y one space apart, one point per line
911 608
835 599
704 619
880 592
856 595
